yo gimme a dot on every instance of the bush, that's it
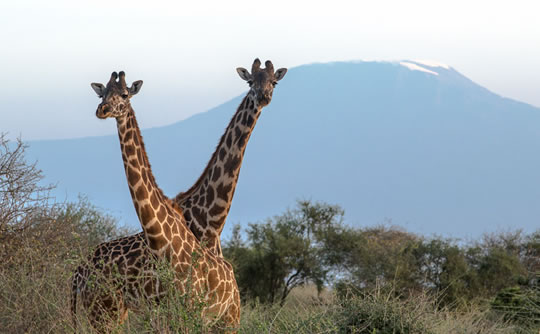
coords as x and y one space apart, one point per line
40 244
370 311
520 305
283 253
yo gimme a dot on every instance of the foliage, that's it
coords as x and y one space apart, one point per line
21 195
40 242
456 274
283 253
37 266
375 256
310 244
444 269
376 310
519 304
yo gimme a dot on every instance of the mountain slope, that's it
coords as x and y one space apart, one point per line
419 144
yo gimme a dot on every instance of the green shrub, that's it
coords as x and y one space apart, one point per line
520 305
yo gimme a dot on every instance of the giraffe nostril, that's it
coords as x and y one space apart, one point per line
106 110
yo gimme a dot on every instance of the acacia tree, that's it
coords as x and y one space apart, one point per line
369 257
21 195
30 219
284 252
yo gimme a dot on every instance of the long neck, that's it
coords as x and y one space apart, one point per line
153 208
207 203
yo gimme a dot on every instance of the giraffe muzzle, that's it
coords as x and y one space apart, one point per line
103 111
264 99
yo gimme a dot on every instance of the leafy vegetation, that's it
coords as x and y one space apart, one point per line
311 245
284 252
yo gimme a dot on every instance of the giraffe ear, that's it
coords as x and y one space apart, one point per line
280 74
135 87
98 88
244 74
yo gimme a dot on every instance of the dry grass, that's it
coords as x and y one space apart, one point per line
34 298
377 311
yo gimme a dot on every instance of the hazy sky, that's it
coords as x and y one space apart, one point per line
187 51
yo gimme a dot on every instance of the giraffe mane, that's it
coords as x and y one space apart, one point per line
181 196
137 133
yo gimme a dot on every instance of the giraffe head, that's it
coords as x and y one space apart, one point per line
115 96
262 80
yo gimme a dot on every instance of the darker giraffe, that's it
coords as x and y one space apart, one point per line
207 203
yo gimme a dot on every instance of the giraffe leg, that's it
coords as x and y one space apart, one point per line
107 313
230 322
123 315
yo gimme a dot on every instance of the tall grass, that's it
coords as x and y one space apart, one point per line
35 294
376 311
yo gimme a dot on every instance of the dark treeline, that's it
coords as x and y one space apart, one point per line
311 244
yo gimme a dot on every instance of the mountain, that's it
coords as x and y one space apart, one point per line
412 142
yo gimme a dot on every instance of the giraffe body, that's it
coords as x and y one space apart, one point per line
168 236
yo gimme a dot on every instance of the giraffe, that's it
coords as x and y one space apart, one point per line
166 235
131 253
207 203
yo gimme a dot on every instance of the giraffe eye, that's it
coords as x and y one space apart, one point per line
125 96
274 83
250 82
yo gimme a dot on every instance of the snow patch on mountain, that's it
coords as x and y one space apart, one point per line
431 63
415 67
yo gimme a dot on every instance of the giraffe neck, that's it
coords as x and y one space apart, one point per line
159 222
207 203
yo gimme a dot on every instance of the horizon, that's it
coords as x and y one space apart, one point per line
422 65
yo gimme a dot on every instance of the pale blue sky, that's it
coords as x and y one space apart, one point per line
186 52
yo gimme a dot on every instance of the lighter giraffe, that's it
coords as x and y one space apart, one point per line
166 235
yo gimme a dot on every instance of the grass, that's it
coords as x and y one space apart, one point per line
377 311
35 299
